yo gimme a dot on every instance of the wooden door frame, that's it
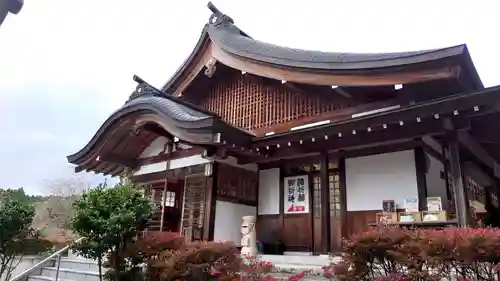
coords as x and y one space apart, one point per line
327 233
309 215
326 230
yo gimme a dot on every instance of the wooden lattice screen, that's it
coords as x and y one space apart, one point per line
193 209
237 183
246 102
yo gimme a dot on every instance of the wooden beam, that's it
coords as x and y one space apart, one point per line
169 156
210 203
467 105
343 92
79 169
295 88
477 150
405 132
487 134
325 204
119 159
343 196
395 76
163 201
340 114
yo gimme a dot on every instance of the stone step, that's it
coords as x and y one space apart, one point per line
311 277
71 274
297 268
45 278
298 260
79 264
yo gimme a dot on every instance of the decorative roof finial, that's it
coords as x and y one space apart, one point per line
217 16
143 88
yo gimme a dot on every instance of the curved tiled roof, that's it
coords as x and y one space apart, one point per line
184 120
227 36
9 6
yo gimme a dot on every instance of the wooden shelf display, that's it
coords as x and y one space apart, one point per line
434 216
409 217
386 218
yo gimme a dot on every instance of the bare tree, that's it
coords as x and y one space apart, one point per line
53 216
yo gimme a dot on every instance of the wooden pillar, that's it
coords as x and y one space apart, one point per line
325 204
496 189
210 203
163 201
343 197
446 165
421 169
461 203
282 204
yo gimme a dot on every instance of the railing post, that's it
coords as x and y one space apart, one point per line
58 260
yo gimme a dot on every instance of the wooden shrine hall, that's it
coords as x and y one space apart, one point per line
317 145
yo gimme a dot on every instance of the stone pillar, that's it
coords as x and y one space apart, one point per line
249 236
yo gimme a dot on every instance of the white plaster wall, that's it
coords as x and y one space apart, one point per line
269 192
171 164
436 185
155 148
228 220
372 179
151 168
187 161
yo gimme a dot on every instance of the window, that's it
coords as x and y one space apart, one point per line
317 196
334 190
170 200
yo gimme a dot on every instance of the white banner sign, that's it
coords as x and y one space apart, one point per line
297 195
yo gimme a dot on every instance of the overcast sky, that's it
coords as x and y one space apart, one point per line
65 65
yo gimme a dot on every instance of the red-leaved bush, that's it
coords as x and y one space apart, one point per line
154 242
391 253
168 257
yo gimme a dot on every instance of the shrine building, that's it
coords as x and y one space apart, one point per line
316 145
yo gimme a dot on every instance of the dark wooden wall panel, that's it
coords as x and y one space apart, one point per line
268 229
246 102
297 234
359 221
237 185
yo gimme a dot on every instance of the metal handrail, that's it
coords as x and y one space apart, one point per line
42 263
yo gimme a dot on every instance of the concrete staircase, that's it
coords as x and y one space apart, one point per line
74 268
70 269
289 265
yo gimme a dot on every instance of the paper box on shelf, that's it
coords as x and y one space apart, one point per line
409 217
386 218
429 216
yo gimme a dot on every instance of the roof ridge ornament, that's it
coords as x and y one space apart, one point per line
217 18
143 89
